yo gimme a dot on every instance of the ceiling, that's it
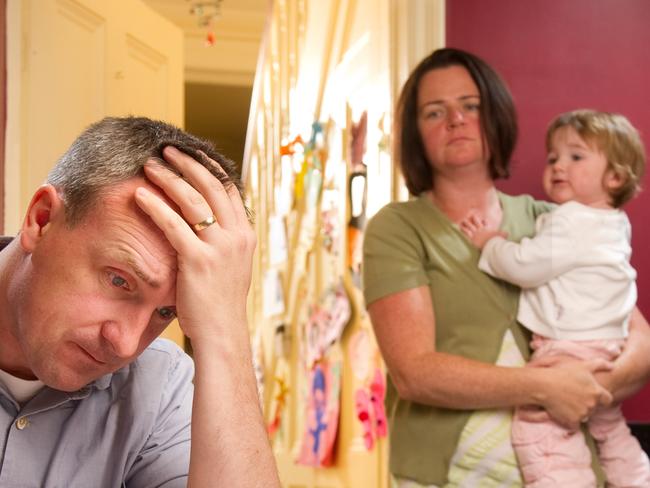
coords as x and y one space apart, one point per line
219 78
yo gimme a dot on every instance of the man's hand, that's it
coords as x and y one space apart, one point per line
229 442
214 264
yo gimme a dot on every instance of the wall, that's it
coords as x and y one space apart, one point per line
3 112
327 62
70 63
559 55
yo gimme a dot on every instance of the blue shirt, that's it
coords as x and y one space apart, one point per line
130 428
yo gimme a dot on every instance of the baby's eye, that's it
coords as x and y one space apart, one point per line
167 313
576 157
551 159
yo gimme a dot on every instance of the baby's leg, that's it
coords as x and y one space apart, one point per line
621 456
548 454
551 456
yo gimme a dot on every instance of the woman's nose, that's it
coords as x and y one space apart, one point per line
455 117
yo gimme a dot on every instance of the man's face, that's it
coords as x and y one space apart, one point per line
96 295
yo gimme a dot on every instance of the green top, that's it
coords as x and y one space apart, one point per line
412 244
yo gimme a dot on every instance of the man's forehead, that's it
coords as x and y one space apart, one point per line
119 201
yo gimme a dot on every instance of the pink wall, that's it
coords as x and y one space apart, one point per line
558 55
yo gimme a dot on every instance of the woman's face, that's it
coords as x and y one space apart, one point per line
448 112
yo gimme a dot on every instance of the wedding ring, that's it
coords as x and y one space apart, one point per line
204 223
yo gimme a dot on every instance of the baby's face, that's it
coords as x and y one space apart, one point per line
577 171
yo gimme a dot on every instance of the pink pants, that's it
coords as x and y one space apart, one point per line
551 456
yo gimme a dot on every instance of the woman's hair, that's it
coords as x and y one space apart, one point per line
616 138
114 150
498 119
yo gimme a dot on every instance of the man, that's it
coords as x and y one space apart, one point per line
138 222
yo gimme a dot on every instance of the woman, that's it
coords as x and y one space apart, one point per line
448 332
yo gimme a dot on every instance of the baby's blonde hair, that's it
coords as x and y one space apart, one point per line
618 140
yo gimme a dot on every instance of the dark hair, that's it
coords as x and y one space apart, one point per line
114 150
497 118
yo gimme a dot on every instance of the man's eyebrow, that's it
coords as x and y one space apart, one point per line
140 273
129 260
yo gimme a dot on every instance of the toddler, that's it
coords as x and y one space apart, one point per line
578 289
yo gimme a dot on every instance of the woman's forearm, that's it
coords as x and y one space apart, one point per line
632 369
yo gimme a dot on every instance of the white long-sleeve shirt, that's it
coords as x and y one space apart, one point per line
575 274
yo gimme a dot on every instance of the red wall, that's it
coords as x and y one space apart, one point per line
558 55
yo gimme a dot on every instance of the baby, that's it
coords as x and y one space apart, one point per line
578 289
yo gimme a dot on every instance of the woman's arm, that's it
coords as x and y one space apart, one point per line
404 324
632 368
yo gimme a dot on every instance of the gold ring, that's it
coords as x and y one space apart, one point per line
204 223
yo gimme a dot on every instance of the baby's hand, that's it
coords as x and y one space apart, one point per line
475 228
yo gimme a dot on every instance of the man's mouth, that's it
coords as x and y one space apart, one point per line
95 357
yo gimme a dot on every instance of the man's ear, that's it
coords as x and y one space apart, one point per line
45 208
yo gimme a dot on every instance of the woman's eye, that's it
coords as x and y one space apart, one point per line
434 114
472 107
167 313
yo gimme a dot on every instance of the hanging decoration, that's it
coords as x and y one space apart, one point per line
369 406
322 414
279 399
206 12
357 195
326 323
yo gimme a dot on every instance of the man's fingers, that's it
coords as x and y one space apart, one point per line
218 198
192 204
176 230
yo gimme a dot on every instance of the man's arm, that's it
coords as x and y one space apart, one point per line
229 442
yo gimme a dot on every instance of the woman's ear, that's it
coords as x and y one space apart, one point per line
45 208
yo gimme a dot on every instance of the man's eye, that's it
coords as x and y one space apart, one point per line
167 313
119 282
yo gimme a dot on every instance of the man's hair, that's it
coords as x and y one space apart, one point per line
616 138
498 119
114 150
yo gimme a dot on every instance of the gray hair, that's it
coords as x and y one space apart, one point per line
115 149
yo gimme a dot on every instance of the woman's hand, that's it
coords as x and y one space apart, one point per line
631 369
571 392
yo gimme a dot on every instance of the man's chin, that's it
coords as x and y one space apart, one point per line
67 381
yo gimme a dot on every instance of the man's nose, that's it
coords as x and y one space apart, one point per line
124 334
